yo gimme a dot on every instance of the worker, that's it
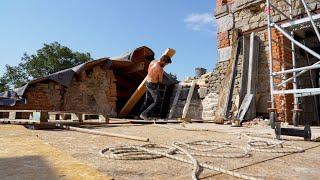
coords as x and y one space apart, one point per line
153 79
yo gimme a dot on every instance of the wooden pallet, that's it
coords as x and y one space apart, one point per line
50 118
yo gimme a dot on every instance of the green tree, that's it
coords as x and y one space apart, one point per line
47 60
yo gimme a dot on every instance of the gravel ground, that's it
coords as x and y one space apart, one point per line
86 147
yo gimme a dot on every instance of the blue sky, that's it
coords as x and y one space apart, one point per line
111 27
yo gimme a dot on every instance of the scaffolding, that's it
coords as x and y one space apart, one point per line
287 28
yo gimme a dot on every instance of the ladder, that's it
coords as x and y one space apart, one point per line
287 29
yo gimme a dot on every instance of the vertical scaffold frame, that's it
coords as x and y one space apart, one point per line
290 23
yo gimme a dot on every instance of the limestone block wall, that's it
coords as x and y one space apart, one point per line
205 96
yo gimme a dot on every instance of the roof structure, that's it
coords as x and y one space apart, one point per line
64 77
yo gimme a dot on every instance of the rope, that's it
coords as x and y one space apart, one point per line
262 144
184 129
154 151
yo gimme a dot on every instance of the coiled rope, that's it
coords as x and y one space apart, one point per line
190 149
153 151
261 144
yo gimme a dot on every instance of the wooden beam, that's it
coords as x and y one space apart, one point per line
136 67
190 94
104 133
244 107
252 75
136 96
226 92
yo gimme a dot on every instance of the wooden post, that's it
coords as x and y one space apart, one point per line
136 96
190 94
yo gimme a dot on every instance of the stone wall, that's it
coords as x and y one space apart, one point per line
205 97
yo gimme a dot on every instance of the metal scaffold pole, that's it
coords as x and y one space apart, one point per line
296 110
272 109
287 28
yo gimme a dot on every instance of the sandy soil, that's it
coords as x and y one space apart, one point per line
24 156
86 147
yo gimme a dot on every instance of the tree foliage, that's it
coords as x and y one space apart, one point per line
47 60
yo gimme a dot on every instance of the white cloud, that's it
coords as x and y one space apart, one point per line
201 22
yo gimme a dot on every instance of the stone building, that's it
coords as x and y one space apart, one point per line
101 86
243 17
237 19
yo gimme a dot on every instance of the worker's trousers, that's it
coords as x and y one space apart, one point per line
153 97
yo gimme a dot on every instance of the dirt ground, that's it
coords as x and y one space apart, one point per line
86 147
24 156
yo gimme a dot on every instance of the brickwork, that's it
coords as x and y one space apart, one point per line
94 91
223 2
249 15
43 96
223 39
282 60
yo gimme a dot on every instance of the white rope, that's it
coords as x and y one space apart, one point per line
153 151
262 144
190 149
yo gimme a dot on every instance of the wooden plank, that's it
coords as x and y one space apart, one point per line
190 94
225 95
19 121
175 101
252 75
244 107
136 96
23 110
245 64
